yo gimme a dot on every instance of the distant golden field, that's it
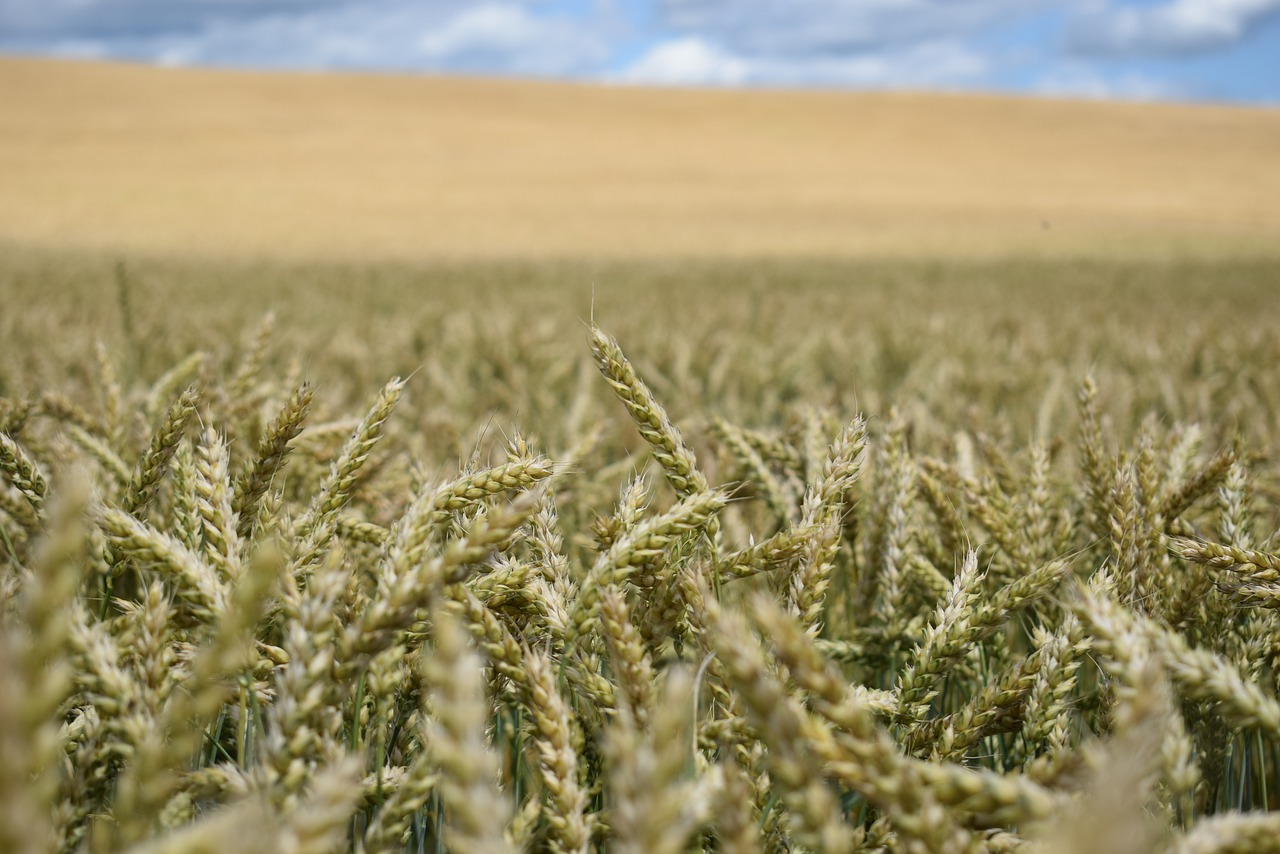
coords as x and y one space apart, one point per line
363 166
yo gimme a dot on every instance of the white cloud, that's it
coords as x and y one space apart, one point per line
507 36
1073 81
694 61
689 61
495 37
1179 26
841 27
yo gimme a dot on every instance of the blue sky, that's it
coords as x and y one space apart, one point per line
1143 49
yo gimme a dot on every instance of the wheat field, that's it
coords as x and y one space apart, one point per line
411 465
639 556
352 167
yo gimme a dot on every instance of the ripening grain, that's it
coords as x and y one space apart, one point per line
770 557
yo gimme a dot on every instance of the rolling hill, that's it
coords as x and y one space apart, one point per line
350 166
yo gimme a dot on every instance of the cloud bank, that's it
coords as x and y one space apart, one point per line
1092 47
1179 27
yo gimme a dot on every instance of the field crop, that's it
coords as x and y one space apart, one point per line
640 557
353 166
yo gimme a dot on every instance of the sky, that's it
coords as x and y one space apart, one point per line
1203 50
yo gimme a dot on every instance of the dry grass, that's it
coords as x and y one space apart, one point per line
812 556
360 166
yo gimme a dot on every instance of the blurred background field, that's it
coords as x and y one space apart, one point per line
991 344
392 222
356 167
